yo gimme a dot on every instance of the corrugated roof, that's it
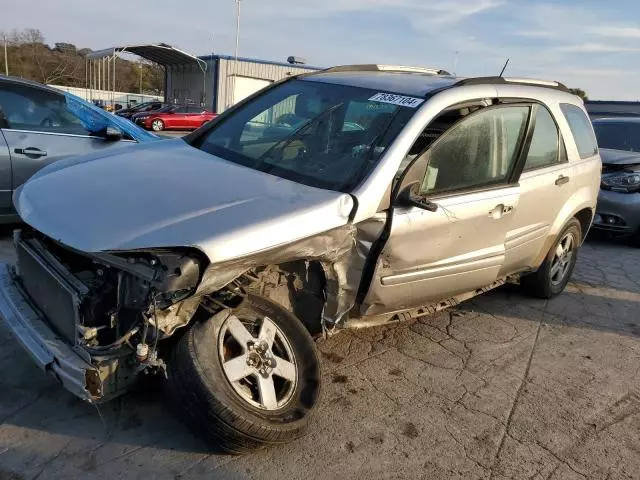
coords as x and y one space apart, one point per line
160 53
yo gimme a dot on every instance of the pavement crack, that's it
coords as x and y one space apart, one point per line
51 460
375 387
559 459
22 408
464 449
523 380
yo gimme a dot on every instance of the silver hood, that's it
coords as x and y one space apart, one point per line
169 194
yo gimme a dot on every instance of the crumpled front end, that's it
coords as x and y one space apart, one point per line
94 321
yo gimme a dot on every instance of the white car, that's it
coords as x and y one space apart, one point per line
214 259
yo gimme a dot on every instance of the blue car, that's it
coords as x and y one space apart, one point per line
40 125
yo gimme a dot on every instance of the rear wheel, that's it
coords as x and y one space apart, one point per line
554 273
157 125
246 377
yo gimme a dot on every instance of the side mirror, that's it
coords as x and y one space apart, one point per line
113 133
410 198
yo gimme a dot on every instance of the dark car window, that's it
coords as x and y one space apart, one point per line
544 149
181 110
299 130
618 135
581 129
477 152
35 109
194 110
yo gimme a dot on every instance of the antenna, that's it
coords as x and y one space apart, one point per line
505 67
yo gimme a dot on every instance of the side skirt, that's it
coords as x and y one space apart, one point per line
429 309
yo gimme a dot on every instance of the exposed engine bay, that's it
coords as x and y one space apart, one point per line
116 309
111 305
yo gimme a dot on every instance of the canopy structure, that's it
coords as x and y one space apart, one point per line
101 64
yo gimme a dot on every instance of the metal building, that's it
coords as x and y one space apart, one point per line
229 81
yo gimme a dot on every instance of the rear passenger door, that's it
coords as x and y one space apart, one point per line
194 117
178 119
546 184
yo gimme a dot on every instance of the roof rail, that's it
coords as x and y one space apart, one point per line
370 67
512 80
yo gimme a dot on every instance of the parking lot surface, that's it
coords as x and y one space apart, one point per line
500 387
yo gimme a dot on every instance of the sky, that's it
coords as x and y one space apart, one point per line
590 44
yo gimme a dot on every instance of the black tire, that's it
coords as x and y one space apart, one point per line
540 284
197 384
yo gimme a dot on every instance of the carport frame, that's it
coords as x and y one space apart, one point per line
100 72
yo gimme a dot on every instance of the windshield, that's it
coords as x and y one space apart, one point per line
320 134
618 135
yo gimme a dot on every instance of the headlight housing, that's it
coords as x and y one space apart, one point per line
624 181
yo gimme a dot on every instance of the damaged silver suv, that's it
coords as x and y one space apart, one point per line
350 197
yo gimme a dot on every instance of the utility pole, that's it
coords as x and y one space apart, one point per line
235 63
6 62
237 27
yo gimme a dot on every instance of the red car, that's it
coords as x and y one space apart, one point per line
180 118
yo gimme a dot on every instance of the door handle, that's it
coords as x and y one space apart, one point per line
500 211
30 151
561 180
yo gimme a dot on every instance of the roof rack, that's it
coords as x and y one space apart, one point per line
385 68
512 80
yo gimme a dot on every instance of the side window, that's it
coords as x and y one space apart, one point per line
194 110
479 151
581 129
544 149
34 109
181 110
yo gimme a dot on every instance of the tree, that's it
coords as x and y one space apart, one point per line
30 57
579 92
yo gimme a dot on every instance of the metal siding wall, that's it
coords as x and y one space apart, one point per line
228 69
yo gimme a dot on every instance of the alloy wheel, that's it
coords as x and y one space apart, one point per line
562 257
258 361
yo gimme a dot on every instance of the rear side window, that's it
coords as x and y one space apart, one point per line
581 129
543 151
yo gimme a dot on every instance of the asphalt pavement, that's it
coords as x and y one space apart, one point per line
502 387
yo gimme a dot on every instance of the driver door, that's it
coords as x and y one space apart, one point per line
470 174
39 129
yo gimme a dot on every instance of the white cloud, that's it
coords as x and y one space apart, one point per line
535 33
597 48
617 31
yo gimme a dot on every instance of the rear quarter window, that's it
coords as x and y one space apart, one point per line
581 129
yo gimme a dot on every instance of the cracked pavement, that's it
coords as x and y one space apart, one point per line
501 387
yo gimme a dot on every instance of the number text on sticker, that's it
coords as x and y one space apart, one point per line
394 99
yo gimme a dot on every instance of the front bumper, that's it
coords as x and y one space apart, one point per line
622 208
71 366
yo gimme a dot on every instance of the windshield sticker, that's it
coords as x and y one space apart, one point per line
400 100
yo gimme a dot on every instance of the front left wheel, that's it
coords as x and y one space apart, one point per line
246 377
